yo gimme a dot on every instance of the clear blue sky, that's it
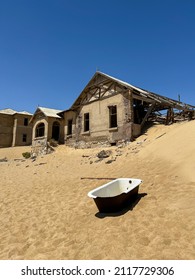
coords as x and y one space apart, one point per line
50 49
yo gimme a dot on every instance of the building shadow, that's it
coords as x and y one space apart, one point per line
126 209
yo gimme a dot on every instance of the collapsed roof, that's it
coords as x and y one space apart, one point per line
102 85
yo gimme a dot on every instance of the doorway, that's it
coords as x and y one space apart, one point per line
56 131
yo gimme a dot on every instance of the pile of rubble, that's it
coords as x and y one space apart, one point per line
107 156
96 144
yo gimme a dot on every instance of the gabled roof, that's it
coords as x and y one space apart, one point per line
48 112
101 83
9 111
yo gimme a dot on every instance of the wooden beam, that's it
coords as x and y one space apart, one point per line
97 178
148 100
103 82
151 107
107 89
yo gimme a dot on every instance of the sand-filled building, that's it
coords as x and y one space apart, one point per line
15 129
109 109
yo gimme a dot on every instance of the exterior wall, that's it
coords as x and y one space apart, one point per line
12 129
70 115
20 129
40 144
6 130
100 121
50 128
48 122
36 122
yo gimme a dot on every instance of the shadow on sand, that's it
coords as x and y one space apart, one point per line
130 207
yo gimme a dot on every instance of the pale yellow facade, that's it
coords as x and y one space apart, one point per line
15 129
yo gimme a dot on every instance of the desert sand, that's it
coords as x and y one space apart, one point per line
45 212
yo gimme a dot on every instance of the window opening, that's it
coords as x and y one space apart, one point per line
56 131
113 116
86 122
139 111
24 138
40 130
69 131
25 121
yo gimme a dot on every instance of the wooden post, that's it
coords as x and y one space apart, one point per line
170 116
131 114
147 114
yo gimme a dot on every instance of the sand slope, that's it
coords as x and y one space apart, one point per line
45 212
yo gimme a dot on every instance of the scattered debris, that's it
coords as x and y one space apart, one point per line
41 163
104 154
110 161
160 135
119 153
97 178
33 157
41 147
19 159
3 159
53 143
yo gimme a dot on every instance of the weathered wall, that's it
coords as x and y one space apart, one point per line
70 115
12 129
99 121
35 123
20 129
6 130
50 128
48 121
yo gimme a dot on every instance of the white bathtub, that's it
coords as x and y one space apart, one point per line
115 195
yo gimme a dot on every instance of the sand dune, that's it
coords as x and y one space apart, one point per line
45 212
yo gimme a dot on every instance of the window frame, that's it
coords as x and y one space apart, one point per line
26 121
40 130
113 116
86 122
24 137
69 126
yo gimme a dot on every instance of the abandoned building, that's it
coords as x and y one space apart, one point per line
111 110
46 125
15 129
108 110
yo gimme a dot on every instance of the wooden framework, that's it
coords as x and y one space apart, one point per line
103 86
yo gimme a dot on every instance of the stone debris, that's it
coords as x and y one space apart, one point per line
41 163
40 148
104 154
3 159
110 161
111 155
19 160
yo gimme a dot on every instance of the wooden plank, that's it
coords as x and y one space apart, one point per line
147 114
97 178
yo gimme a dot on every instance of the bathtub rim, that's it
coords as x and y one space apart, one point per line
91 195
